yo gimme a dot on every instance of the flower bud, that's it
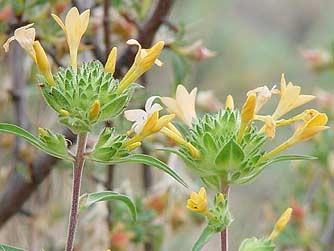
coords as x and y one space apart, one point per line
94 110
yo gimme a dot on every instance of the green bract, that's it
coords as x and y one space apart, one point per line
222 159
75 92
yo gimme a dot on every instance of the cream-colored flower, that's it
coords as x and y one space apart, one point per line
290 99
183 106
144 60
75 26
269 125
263 94
25 36
229 104
194 51
139 116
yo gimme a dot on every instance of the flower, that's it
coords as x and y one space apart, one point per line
263 94
94 110
43 63
195 51
290 99
198 202
183 106
229 104
147 122
207 101
111 61
75 26
313 123
281 223
247 114
318 59
269 125
144 60
25 36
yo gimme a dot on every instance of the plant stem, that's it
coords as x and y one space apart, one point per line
76 184
224 233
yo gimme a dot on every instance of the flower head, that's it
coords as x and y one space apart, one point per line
198 202
281 223
144 60
25 36
183 106
75 26
290 99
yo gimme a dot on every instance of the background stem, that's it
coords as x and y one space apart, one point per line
77 176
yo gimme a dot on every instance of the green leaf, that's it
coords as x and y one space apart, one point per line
148 160
292 157
230 155
93 198
203 239
36 142
4 247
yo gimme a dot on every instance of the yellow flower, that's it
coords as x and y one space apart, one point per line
229 104
183 106
111 61
144 60
43 63
312 125
247 114
198 202
94 110
281 223
25 36
43 132
269 125
263 94
290 99
75 26
64 113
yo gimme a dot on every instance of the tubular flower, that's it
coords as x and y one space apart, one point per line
229 104
183 106
263 94
198 202
75 26
247 114
290 99
111 61
43 63
281 223
147 122
269 125
25 36
144 60
310 127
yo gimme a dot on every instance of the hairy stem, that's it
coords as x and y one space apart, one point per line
224 233
76 184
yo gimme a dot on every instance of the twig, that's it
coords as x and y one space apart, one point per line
106 26
224 233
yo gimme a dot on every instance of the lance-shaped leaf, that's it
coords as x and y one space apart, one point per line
36 142
88 200
145 159
203 239
4 247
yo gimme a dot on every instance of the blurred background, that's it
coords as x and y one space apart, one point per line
228 47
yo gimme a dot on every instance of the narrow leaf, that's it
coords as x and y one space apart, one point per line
203 239
93 198
4 247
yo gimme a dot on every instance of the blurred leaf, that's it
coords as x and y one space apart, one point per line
203 239
36 142
148 160
292 157
4 247
92 198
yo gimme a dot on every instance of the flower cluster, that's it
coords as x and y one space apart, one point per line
226 147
